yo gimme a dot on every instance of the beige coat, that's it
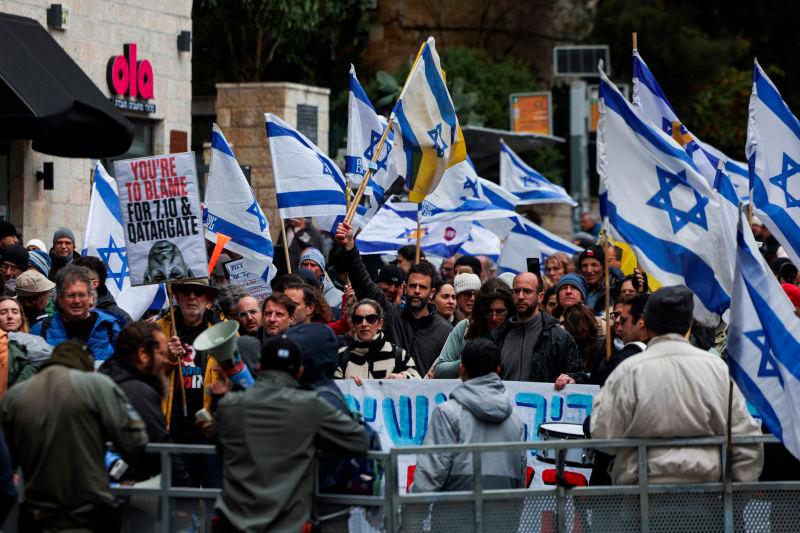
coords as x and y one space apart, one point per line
674 390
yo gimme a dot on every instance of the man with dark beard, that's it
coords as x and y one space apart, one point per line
137 367
533 346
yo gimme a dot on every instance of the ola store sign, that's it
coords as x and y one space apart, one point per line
131 78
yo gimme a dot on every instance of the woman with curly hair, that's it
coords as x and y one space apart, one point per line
493 305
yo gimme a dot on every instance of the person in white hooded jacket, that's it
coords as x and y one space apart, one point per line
479 411
673 390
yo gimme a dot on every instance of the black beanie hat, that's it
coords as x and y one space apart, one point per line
470 261
281 353
669 310
593 252
18 255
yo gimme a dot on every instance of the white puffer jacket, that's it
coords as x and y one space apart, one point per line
674 390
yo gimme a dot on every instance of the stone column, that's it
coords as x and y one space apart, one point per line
240 111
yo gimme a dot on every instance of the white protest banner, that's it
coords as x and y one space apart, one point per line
399 411
254 285
161 215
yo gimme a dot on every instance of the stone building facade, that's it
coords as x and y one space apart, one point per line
96 32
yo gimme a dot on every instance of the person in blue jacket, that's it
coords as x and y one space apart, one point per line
74 318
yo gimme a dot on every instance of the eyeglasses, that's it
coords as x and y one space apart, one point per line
187 290
76 296
249 312
9 266
358 319
496 312
467 294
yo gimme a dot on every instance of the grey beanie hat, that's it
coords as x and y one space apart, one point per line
63 232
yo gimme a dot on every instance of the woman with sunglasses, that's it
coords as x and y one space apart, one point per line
493 305
368 355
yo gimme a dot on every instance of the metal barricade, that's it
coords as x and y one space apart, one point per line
721 505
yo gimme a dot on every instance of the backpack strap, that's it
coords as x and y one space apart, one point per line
46 326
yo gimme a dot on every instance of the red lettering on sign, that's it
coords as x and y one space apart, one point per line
126 75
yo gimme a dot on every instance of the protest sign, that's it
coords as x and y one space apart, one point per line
399 411
254 285
161 217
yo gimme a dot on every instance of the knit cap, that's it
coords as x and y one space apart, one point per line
466 282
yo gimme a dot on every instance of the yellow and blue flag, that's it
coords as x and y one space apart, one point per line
428 138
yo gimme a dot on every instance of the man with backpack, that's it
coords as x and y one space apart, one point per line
268 437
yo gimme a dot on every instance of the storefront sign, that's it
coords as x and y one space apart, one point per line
133 78
531 113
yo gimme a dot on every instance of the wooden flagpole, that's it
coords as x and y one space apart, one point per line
608 296
174 333
351 212
285 246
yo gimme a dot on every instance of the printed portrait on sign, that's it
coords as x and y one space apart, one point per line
165 262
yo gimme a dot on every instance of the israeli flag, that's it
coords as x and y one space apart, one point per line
652 104
662 206
482 241
307 182
763 343
526 184
525 240
395 226
231 209
105 238
773 152
461 195
364 130
428 137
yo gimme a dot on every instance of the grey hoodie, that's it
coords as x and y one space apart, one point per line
479 411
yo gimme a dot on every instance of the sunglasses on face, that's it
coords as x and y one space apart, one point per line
358 319
186 291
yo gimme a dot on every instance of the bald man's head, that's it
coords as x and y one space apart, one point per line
526 295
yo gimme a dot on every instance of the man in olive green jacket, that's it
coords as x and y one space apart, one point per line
268 436
57 424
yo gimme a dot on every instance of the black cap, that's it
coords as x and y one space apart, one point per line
281 353
319 347
7 229
592 252
391 274
669 310
470 261
18 255
308 277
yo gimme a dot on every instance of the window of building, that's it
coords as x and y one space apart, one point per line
142 145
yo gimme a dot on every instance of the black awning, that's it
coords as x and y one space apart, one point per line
46 97
483 146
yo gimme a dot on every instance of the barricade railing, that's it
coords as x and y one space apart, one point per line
719 505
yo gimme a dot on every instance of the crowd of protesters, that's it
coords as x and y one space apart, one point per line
76 373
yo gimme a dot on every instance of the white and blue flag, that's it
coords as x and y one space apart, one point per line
462 195
658 203
231 209
763 343
482 241
652 104
773 154
364 130
395 226
105 238
307 182
518 178
528 240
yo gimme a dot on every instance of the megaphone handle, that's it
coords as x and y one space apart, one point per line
174 333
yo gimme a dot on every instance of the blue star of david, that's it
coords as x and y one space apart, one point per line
374 139
471 184
662 200
527 179
326 169
788 169
105 254
256 212
438 141
768 367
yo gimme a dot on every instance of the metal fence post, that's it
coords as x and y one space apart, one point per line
644 501
391 492
561 493
166 483
477 472
727 494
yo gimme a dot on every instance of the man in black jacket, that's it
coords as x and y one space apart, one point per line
414 327
137 368
533 346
